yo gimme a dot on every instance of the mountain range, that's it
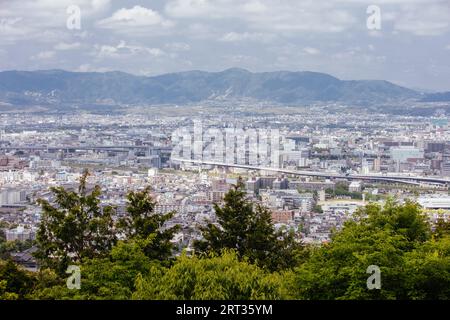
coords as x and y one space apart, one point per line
63 87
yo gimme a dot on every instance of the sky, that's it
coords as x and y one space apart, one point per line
403 41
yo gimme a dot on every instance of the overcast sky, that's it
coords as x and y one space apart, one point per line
412 48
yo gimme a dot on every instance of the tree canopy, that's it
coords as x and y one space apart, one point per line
76 227
248 229
241 257
222 277
397 238
146 227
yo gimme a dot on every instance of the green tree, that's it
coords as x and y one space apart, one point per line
428 270
2 235
249 230
4 294
111 277
74 228
222 277
15 283
381 237
407 220
8 247
146 227
318 208
441 228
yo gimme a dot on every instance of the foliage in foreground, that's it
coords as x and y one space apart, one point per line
386 237
221 277
414 258
248 229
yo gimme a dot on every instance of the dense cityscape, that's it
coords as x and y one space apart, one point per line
127 152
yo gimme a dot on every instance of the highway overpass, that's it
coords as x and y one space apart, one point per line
57 148
411 180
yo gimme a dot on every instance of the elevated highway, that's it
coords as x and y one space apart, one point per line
411 180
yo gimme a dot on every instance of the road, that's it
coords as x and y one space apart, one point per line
413 180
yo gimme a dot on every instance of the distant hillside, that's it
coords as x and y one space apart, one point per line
437 97
56 86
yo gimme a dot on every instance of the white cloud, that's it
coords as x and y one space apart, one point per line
89 68
213 9
246 36
12 28
178 46
423 19
43 20
284 16
62 46
124 50
49 12
419 17
7 24
98 5
189 8
240 58
44 55
3 53
135 17
311 51
255 6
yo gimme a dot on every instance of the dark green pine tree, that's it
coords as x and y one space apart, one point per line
248 229
74 228
146 227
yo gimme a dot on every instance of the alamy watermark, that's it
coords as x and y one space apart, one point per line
74 280
73 21
231 145
374 19
374 281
